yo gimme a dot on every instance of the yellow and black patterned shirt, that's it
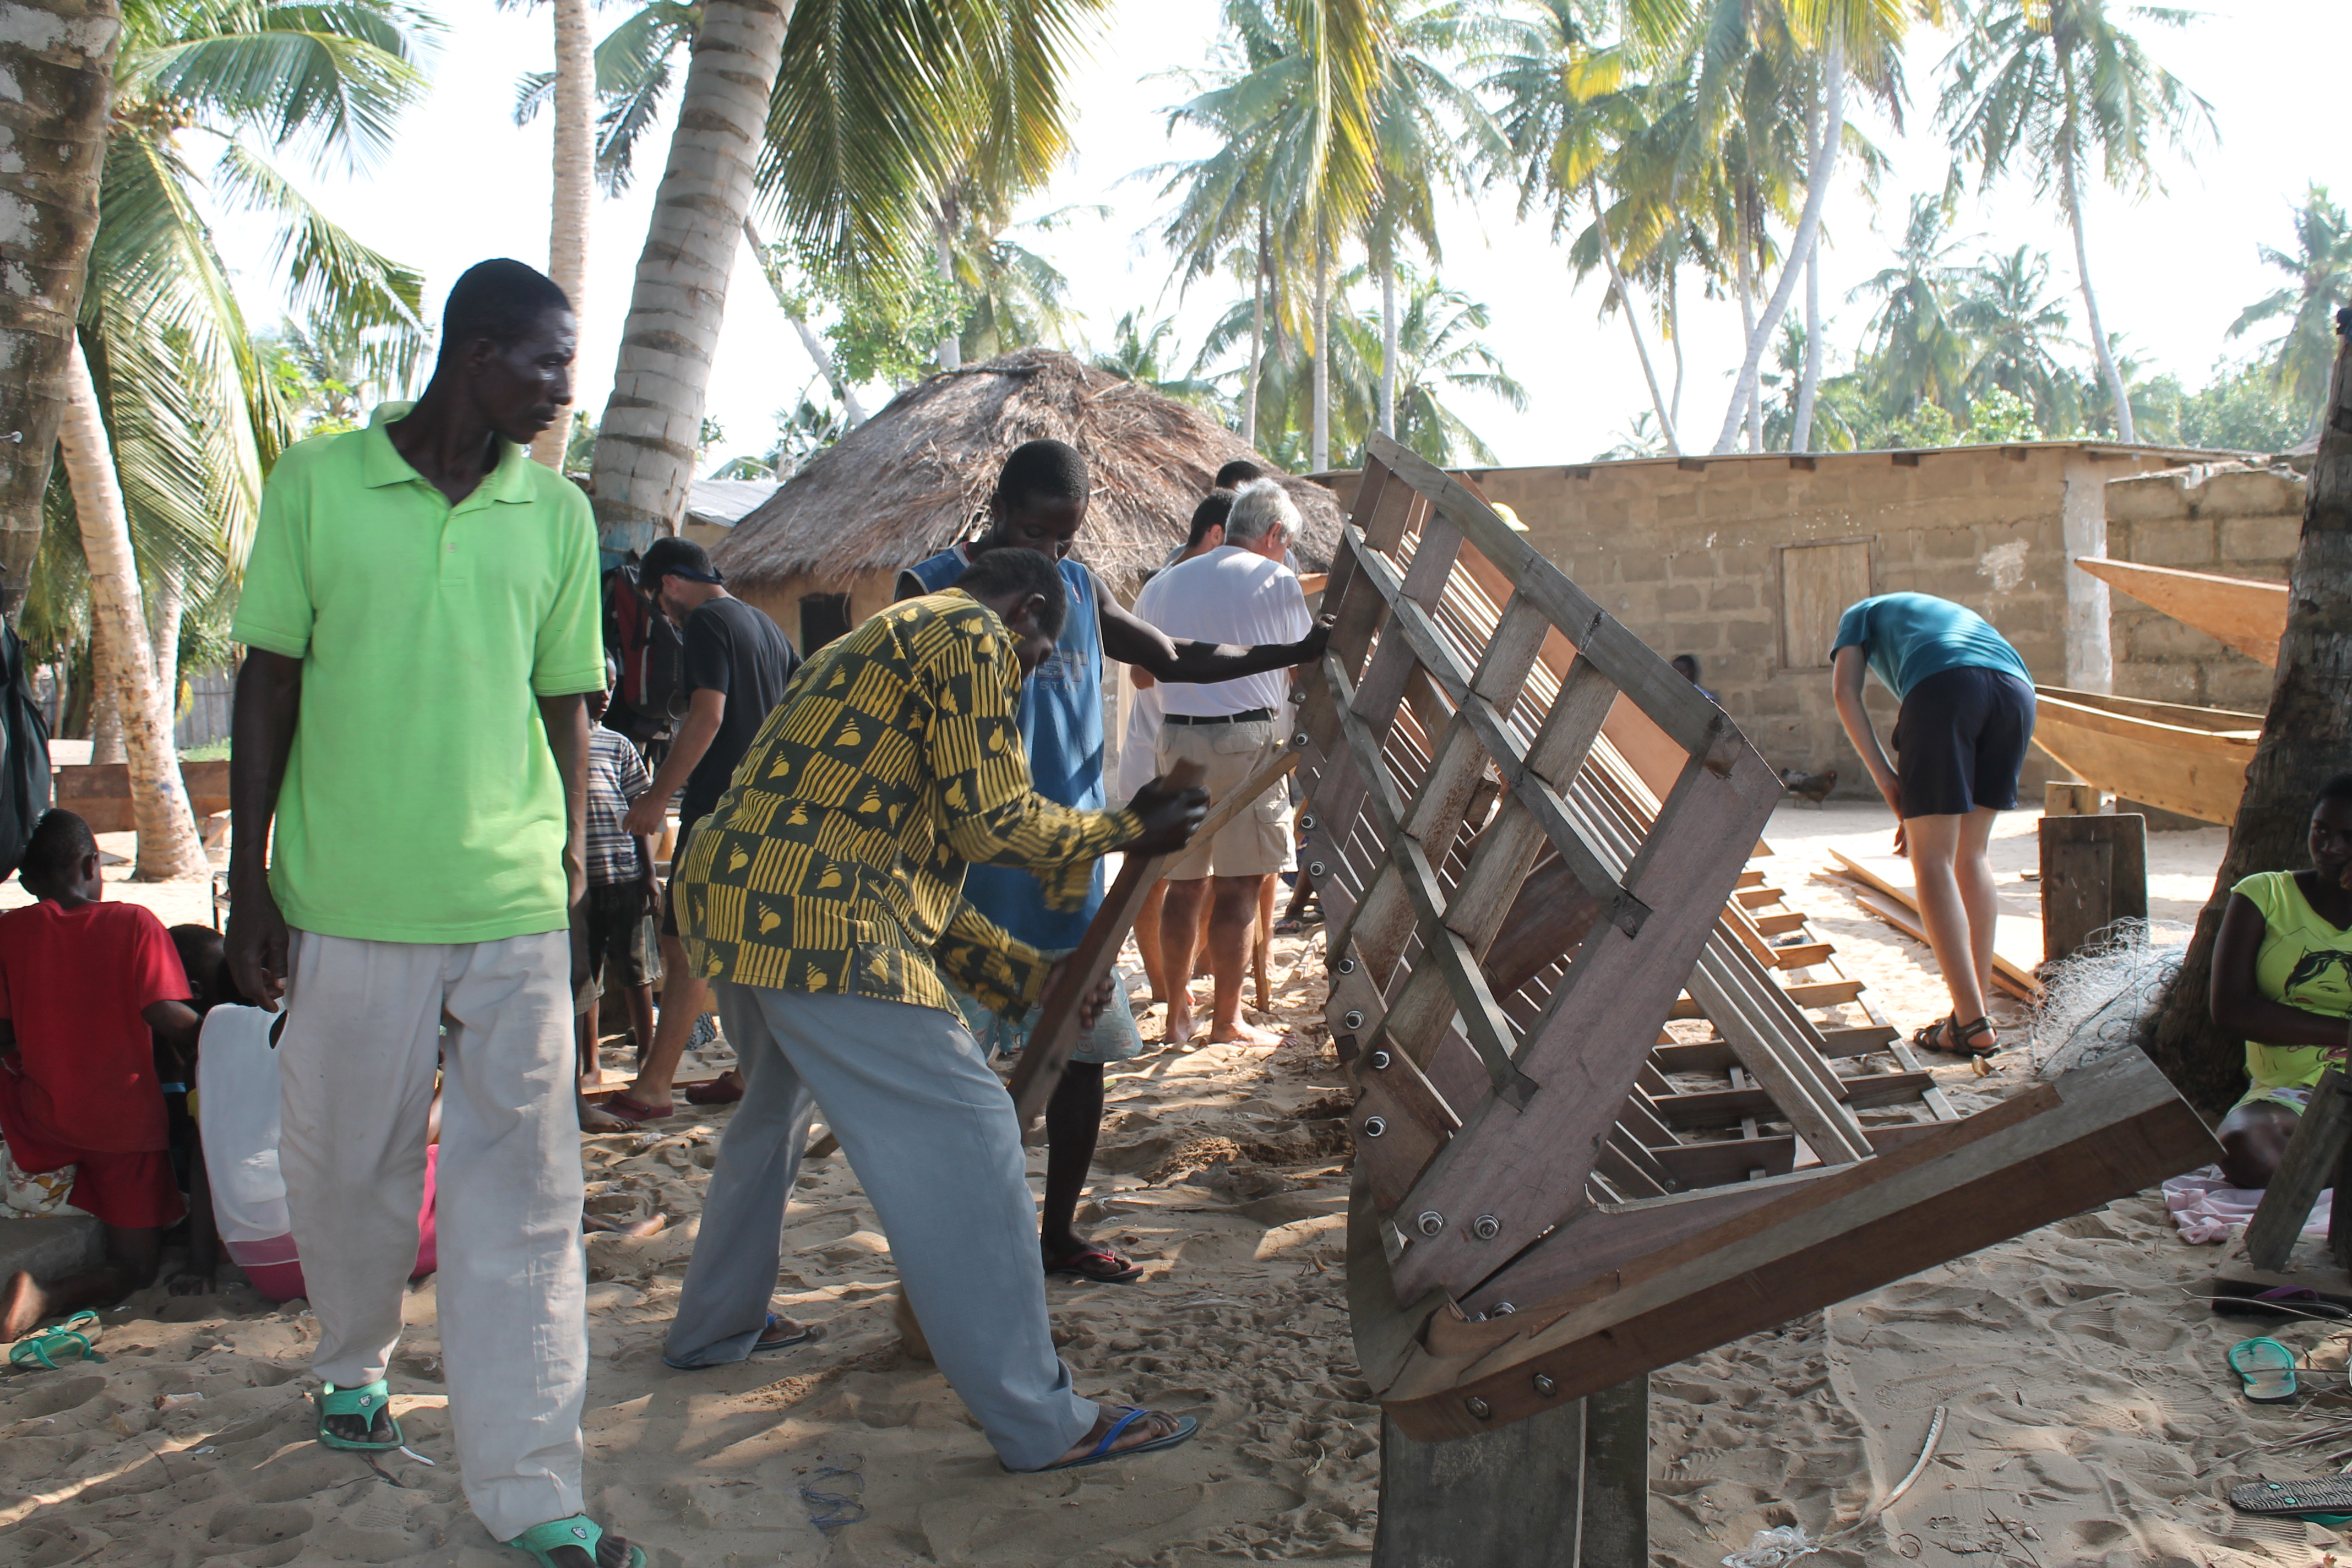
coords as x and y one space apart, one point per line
835 861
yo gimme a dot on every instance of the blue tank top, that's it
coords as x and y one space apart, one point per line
1061 727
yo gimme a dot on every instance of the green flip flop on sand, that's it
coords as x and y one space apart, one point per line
543 1540
70 1338
364 1402
2266 1370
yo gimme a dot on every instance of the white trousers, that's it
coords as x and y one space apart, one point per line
362 1038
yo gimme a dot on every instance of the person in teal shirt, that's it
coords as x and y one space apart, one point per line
1961 735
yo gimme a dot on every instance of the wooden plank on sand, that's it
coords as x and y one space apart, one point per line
2017 937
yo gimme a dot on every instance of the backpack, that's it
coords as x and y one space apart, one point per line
24 789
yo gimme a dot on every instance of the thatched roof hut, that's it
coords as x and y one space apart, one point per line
823 552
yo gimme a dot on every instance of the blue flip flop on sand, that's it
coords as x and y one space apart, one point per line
2266 1370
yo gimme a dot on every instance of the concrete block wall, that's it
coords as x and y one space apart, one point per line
2227 519
1686 554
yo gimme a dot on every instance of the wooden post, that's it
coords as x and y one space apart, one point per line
2094 873
2071 798
2312 1159
1567 1489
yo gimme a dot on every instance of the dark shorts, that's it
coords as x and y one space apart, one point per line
1961 742
616 933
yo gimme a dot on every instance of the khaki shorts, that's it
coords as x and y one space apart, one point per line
1256 843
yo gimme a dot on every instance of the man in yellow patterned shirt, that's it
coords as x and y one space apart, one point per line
821 898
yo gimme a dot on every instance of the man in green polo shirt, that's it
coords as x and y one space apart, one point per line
422 615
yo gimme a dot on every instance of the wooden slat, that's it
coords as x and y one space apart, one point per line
1724 1107
1714 1056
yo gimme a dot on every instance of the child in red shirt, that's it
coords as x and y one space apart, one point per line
86 989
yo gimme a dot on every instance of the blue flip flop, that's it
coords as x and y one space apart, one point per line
2266 1369
1102 1452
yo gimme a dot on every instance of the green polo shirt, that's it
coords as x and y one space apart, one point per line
421 803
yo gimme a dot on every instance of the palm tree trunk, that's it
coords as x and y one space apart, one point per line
575 184
168 845
951 343
2305 736
787 302
1388 349
652 429
1257 338
171 602
2108 372
1674 333
1319 442
1632 317
1809 383
1817 190
105 713
57 59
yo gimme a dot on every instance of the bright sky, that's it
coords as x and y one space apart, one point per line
2173 272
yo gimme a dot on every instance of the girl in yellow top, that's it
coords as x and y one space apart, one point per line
2283 981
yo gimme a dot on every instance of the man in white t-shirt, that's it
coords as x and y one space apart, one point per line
1238 593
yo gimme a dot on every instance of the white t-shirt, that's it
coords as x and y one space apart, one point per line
1228 595
1138 754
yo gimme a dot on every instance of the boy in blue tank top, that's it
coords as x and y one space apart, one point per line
1040 504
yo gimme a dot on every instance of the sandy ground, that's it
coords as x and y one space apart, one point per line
2090 1418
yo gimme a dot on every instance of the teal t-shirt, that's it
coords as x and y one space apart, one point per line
1906 638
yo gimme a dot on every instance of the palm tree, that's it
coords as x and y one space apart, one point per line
58 57
1857 39
647 442
170 394
571 88
1915 354
1147 356
2321 270
1431 353
2016 330
2053 84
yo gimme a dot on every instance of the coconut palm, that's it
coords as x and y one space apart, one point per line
2048 87
571 88
1854 43
2321 268
169 397
1914 354
1432 353
58 58
1147 356
2017 333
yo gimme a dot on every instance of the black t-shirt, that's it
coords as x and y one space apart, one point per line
731 648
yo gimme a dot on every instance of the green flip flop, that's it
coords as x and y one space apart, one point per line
2265 1369
362 1401
42 1348
542 1541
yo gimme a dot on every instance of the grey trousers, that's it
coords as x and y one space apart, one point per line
355 1082
932 1134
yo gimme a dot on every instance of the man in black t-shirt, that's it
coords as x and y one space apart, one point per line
737 664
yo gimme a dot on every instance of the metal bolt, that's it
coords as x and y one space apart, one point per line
1379 1061
1503 1310
1298 698
1299 740
1431 1221
1354 1020
1375 1125
1307 824
1477 1406
1314 868
1345 966
1545 1385
1486 1228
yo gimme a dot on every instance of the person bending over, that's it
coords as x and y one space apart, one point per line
822 900
1040 504
86 989
2283 982
1962 734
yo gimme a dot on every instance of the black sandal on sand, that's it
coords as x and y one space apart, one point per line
1958 1034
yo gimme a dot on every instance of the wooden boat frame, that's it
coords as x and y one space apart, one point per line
2182 758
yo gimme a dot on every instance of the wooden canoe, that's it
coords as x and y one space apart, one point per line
2250 616
2188 759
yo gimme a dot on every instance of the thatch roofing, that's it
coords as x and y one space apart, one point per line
915 478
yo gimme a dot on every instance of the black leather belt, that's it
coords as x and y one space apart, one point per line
1252 716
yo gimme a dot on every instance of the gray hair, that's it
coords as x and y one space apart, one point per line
1260 507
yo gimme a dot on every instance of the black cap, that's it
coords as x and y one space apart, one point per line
675 557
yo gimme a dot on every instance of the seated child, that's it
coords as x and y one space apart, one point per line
239 1197
86 987
2282 983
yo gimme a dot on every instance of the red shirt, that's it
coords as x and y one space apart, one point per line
74 983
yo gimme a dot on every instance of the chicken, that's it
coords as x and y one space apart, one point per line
1814 787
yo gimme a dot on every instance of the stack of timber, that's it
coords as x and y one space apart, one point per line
1884 887
1607 1118
2187 760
